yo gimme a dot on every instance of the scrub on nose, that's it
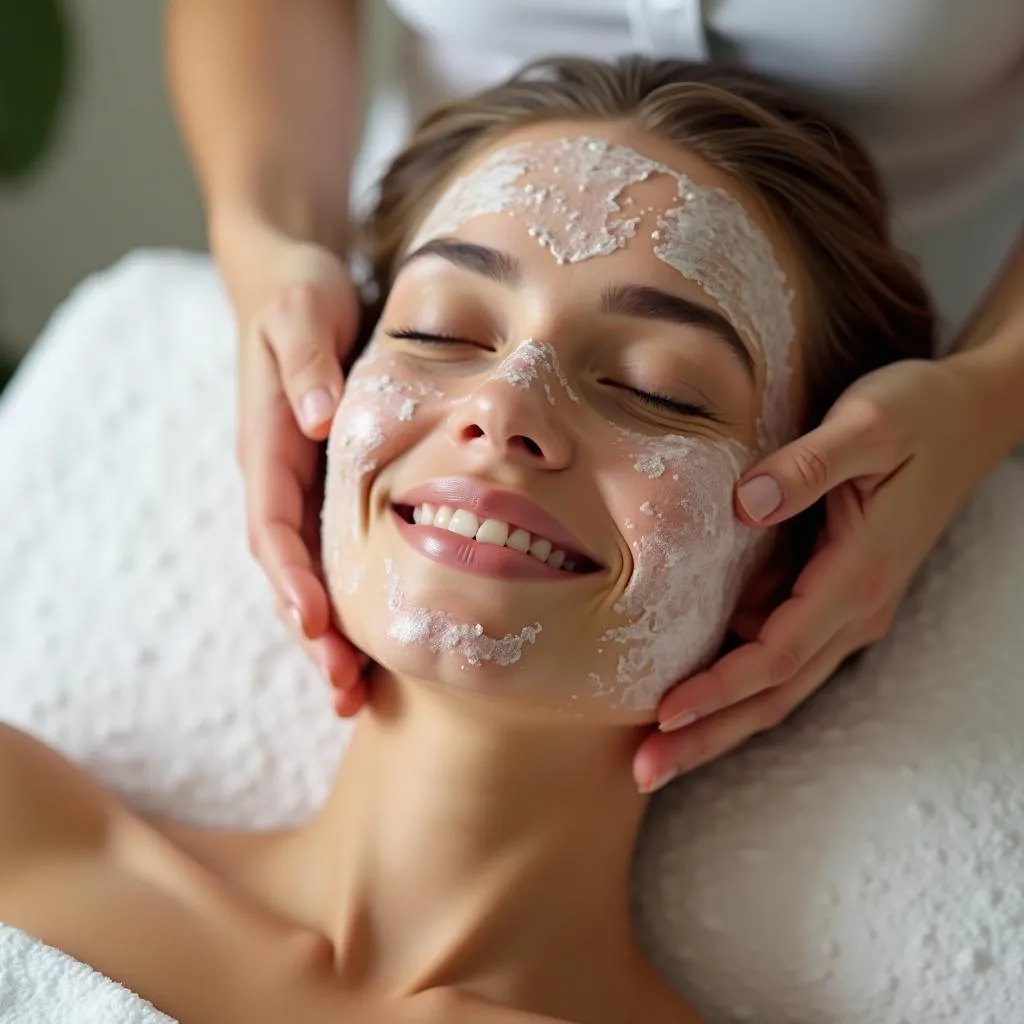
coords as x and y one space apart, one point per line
529 360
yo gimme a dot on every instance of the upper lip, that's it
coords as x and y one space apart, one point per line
492 503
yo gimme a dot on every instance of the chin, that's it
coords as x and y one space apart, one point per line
530 691
474 635
533 681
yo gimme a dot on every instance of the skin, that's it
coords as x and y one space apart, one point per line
474 852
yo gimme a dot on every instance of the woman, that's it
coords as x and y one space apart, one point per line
605 292
268 96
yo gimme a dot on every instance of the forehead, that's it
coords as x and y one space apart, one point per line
565 169
586 189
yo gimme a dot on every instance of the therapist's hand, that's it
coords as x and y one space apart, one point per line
298 312
895 457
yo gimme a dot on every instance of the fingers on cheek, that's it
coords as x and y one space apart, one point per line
664 756
736 677
286 559
667 755
779 703
340 670
306 593
722 732
879 626
349 700
291 615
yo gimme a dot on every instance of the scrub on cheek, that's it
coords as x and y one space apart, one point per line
372 411
369 426
690 555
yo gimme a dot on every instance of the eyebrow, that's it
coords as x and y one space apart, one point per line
480 259
654 304
630 300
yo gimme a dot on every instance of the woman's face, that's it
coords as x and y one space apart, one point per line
530 477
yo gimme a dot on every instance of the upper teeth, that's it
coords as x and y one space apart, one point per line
491 531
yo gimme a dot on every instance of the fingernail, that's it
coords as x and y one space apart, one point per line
290 590
296 616
679 721
658 782
316 407
760 497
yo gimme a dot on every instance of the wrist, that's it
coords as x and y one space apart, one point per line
279 214
993 374
246 249
257 257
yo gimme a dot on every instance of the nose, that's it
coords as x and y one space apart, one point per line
514 423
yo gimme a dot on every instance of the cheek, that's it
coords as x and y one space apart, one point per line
383 413
672 498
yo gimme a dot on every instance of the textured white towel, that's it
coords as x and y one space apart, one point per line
863 864
40 985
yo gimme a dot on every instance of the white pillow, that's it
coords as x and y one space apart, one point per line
863 863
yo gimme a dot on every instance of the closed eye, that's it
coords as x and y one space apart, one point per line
652 399
427 338
672 405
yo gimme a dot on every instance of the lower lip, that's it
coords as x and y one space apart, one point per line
459 552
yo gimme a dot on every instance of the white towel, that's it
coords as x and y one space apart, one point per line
42 985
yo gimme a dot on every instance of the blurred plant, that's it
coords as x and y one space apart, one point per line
33 72
34 61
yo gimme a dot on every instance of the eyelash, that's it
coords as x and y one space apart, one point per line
410 334
671 404
648 398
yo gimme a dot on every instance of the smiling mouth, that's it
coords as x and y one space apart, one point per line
497 533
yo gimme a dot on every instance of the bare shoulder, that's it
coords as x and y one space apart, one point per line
47 805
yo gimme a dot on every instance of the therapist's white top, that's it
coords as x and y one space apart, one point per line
934 88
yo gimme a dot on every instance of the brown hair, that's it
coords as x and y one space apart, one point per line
868 309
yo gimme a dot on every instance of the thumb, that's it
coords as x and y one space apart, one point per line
302 329
793 478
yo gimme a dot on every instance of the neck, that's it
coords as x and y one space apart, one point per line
457 849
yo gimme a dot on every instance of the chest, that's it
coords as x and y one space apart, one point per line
184 943
912 52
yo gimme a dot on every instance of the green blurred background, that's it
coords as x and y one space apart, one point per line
90 161
34 70
91 165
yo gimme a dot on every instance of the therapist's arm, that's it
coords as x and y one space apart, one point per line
267 96
991 346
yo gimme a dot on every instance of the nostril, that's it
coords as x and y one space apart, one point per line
473 431
529 444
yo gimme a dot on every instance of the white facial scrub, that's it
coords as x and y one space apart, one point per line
673 493
690 554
